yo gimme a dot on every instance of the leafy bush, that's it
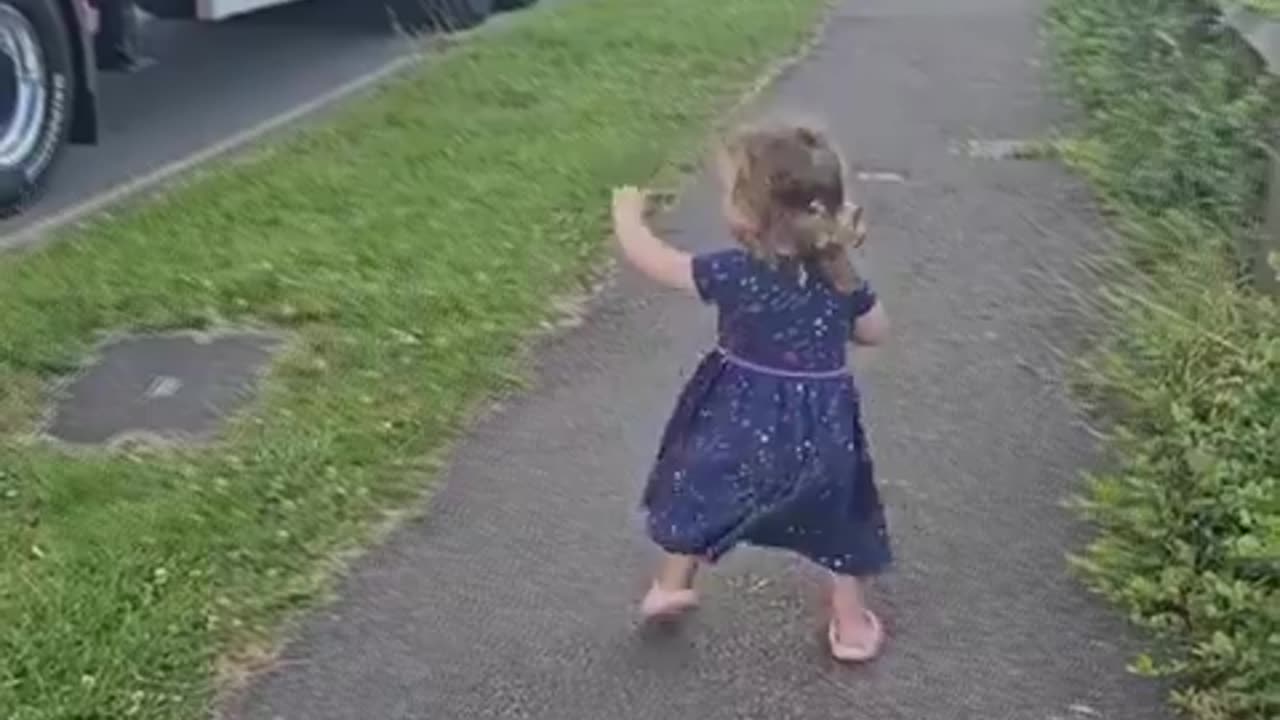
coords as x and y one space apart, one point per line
1266 7
1190 518
1176 110
1188 363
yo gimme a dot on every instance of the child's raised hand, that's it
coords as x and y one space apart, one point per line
629 205
647 252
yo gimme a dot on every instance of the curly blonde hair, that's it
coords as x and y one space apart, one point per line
787 184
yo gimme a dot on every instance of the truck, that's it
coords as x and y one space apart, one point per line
49 68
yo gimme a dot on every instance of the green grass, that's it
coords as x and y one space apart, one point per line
410 246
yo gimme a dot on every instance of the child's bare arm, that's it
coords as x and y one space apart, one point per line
872 328
649 253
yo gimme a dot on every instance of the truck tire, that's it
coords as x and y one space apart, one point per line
441 15
37 97
168 9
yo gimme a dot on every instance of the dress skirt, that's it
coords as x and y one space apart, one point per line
777 461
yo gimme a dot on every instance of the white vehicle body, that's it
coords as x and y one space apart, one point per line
223 9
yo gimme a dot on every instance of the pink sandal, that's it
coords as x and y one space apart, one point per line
662 604
845 652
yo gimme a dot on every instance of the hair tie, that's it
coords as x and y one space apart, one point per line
850 219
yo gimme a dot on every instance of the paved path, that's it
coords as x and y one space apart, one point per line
511 598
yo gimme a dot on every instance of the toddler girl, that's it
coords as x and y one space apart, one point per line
766 445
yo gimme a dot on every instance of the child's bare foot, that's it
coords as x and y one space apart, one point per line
662 604
855 633
856 641
672 593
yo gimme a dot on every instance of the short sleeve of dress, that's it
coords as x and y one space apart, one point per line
864 298
717 275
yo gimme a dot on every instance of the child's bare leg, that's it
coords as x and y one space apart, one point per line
676 572
856 634
672 592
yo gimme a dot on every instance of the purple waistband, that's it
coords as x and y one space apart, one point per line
841 372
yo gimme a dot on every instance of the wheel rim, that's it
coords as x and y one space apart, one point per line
25 97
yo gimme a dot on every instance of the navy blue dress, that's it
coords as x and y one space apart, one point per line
766 445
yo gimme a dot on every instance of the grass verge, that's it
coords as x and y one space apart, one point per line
409 245
1188 365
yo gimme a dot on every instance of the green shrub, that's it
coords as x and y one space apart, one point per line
1266 7
1187 366
1175 111
1190 518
